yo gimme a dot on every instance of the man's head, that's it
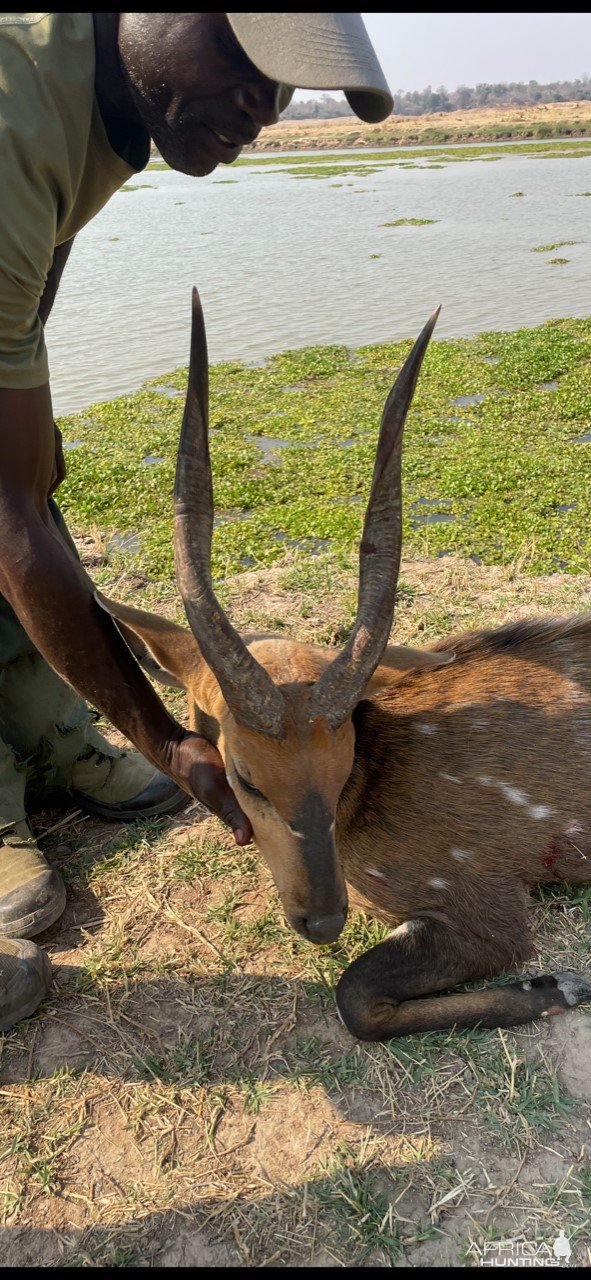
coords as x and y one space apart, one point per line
205 84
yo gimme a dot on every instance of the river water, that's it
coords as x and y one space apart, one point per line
285 262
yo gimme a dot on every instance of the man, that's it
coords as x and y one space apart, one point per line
82 96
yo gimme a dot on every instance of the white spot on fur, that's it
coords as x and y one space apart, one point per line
462 855
518 797
480 724
438 883
404 929
541 811
449 777
379 875
426 728
526 986
574 829
514 794
229 781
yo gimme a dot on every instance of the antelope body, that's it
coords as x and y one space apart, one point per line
435 787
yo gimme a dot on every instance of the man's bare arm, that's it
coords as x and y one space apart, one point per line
53 597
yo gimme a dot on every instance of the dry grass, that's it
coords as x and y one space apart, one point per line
477 124
188 1097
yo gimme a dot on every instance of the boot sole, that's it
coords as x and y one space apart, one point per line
114 813
29 926
25 1012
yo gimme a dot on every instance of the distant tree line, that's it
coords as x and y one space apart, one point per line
422 102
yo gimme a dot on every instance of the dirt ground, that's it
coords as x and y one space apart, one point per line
188 1097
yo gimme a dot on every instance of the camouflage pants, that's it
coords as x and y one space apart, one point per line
44 725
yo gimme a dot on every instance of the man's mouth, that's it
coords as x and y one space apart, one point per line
224 149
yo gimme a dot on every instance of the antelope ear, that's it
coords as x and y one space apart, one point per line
401 658
398 657
167 652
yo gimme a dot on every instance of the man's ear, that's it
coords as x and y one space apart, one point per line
399 657
167 652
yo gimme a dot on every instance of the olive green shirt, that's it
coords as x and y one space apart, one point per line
57 169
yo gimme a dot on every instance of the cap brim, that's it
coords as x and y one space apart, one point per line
317 51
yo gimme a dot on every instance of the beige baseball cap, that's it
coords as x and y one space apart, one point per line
317 51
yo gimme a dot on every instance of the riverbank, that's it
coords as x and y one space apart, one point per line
482 124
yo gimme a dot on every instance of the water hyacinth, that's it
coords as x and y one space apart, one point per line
493 443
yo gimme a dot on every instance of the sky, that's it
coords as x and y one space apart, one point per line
417 49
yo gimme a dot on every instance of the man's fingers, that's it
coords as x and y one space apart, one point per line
240 825
220 798
205 779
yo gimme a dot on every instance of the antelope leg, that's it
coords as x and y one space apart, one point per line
377 994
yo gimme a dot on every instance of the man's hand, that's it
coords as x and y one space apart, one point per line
198 768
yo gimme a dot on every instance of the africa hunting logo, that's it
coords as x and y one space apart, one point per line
521 1253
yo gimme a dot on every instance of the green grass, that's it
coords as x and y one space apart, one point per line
508 469
187 1065
352 1203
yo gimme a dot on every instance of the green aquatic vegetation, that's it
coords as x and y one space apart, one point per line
375 255
411 154
138 186
558 244
409 222
554 262
516 194
318 171
493 443
407 156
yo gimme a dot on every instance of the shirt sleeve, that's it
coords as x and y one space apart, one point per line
28 220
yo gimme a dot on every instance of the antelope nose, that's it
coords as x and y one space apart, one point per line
325 928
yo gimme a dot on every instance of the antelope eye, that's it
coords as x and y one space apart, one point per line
248 786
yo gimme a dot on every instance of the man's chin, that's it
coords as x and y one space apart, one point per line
197 153
196 166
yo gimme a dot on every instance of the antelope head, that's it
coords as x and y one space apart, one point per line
280 712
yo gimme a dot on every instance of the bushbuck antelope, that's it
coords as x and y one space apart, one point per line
439 785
